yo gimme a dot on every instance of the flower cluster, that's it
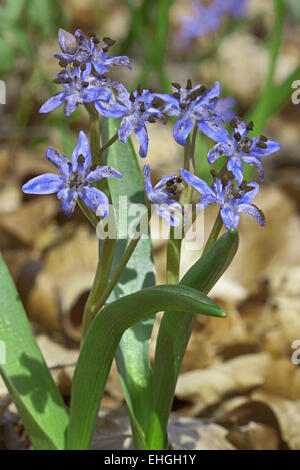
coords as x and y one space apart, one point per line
207 18
74 180
84 65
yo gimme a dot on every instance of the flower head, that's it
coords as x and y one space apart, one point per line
84 50
80 86
232 201
137 109
204 19
74 179
192 104
239 148
163 196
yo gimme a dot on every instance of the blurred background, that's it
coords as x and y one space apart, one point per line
238 377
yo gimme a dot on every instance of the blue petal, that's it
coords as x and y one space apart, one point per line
182 129
142 136
218 188
120 60
127 126
96 200
99 68
258 152
218 151
122 94
171 218
71 103
69 199
197 183
58 159
53 102
250 209
171 104
214 131
112 109
82 148
68 57
49 183
212 96
235 165
225 108
147 179
254 161
95 94
230 219
250 195
67 41
102 172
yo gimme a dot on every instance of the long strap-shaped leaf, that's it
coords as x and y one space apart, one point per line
132 355
174 333
26 374
101 342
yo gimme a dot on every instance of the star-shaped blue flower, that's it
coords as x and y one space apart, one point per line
239 148
74 179
163 196
80 86
80 48
232 201
192 104
137 109
204 19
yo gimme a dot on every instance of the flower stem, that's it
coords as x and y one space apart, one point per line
214 233
88 213
94 133
109 143
99 284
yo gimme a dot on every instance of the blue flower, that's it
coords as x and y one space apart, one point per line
137 109
233 8
192 104
74 179
79 87
204 19
232 201
163 196
79 48
239 148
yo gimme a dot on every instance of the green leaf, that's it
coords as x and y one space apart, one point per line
132 356
7 55
26 375
174 333
101 342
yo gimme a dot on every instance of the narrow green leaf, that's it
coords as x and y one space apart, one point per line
174 334
132 356
26 375
101 342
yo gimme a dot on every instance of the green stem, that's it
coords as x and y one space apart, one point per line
109 143
99 284
88 213
122 265
94 133
214 233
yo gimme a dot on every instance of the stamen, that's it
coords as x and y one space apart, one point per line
237 136
83 67
63 63
76 63
264 138
85 84
110 42
176 95
81 159
245 149
132 98
140 90
176 85
151 119
157 102
189 84
182 105
261 145
57 80
67 80
250 126
233 123
142 107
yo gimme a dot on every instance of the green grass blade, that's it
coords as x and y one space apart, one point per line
132 355
26 374
174 334
102 340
